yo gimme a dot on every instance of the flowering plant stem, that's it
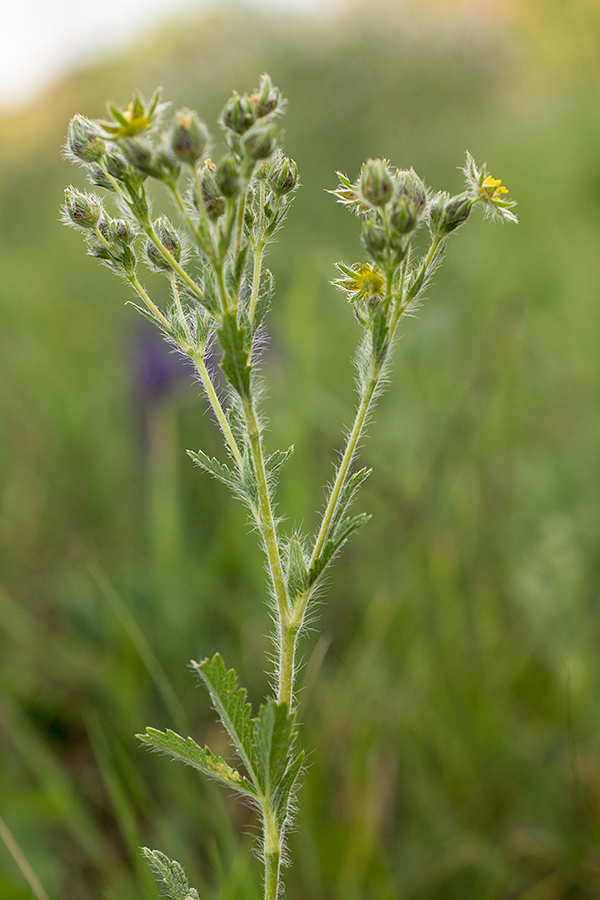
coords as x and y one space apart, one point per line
230 211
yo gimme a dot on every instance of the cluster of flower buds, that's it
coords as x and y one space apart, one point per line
230 207
393 204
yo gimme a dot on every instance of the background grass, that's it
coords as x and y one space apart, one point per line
450 690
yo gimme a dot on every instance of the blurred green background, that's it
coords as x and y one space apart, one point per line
452 683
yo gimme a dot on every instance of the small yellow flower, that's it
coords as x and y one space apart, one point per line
363 282
494 187
488 191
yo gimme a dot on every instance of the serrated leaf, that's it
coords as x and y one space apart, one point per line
171 875
235 361
297 569
274 462
229 701
211 298
347 493
285 789
217 469
274 738
380 335
149 315
237 423
249 481
189 752
346 527
265 296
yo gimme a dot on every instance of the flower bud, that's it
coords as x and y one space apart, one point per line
228 176
456 212
213 200
436 212
376 184
410 185
237 115
189 137
374 240
260 141
266 100
139 153
168 237
121 232
283 175
98 176
83 140
403 217
116 165
82 210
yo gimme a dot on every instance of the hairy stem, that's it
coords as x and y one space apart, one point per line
266 519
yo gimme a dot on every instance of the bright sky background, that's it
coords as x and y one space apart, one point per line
42 39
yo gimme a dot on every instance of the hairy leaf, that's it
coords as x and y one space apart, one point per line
170 875
274 462
235 362
229 700
297 570
189 752
216 468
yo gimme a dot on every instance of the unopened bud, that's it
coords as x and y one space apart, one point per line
237 115
98 176
213 200
82 210
121 232
83 140
437 212
189 137
410 185
116 165
283 175
456 212
266 99
403 217
140 154
260 141
376 184
228 176
374 240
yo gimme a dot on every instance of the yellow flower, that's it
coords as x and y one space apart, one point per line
488 191
363 282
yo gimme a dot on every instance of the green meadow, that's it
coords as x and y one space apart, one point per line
454 668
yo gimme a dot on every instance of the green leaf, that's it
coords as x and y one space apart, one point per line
297 570
235 362
265 296
274 739
189 752
347 493
211 298
216 468
249 480
274 462
380 335
230 703
170 875
286 787
346 527
334 543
